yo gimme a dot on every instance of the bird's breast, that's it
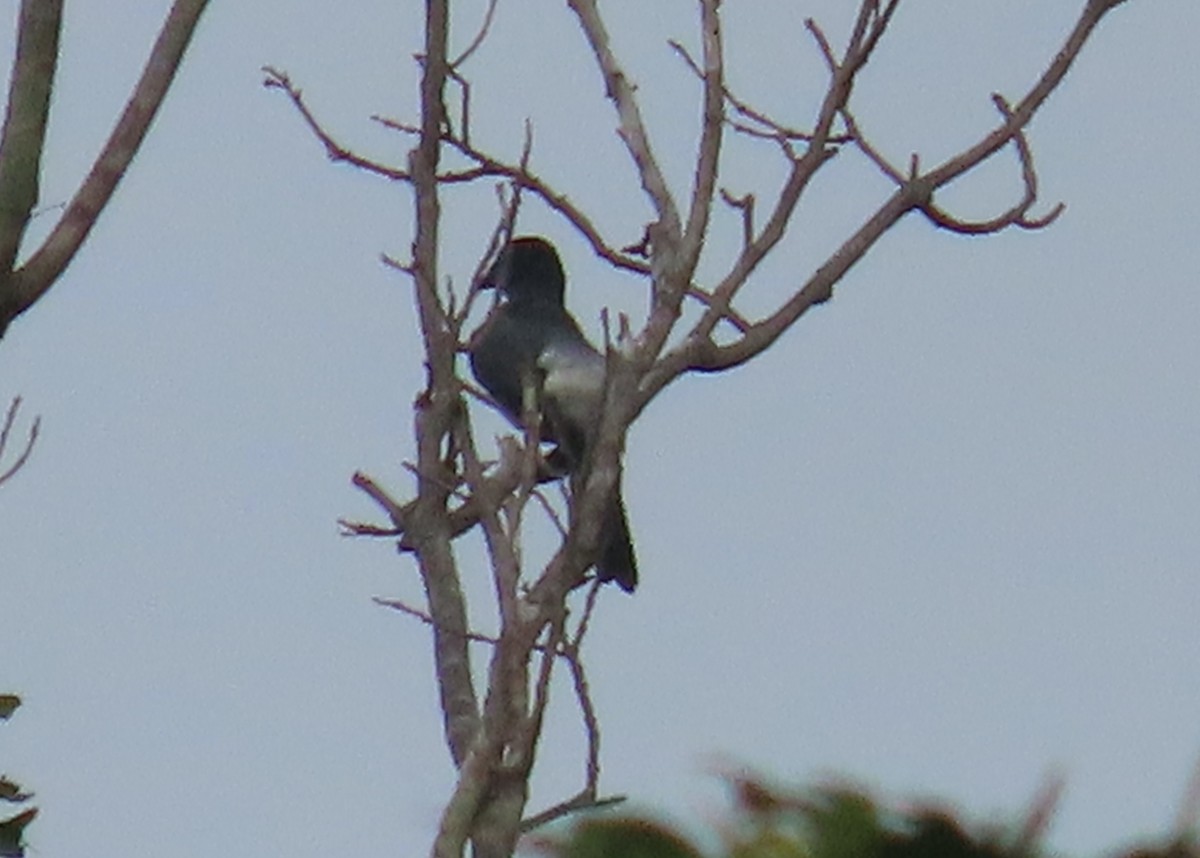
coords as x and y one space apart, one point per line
574 380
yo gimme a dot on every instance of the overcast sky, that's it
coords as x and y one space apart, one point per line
942 538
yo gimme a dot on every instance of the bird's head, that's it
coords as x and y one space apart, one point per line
528 270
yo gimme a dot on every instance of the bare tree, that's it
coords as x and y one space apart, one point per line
23 139
493 733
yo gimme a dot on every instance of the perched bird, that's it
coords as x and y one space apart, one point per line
530 341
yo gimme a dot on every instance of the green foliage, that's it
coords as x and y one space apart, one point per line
9 791
832 822
627 837
13 828
11 831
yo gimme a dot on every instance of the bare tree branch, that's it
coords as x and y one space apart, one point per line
1020 115
479 36
499 482
873 155
699 353
581 801
24 133
489 166
335 151
37 275
1018 215
729 314
758 123
711 134
632 129
436 410
405 608
816 154
9 419
510 205
744 204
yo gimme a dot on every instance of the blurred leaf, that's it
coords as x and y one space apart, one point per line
9 791
937 834
8 704
770 844
844 824
625 838
754 796
11 831
845 821
1178 848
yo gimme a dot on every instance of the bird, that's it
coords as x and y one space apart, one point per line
530 341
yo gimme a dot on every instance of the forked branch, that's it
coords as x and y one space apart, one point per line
33 279
915 191
10 418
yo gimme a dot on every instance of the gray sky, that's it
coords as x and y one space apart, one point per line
943 537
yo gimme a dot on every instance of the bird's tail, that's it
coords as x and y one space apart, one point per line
617 561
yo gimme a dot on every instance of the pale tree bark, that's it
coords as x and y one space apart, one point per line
23 138
493 743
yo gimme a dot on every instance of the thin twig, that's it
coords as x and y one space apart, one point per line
763 125
586 798
551 513
583 800
23 456
698 352
708 158
362 528
423 616
335 151
1017 215
486 165
745 205
1039 817
479 36
631 128
464 87
873 155
503 231
450 486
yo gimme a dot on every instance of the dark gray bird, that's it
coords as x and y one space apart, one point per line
531 341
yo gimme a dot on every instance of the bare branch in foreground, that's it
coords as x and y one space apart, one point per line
42 270
30 85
